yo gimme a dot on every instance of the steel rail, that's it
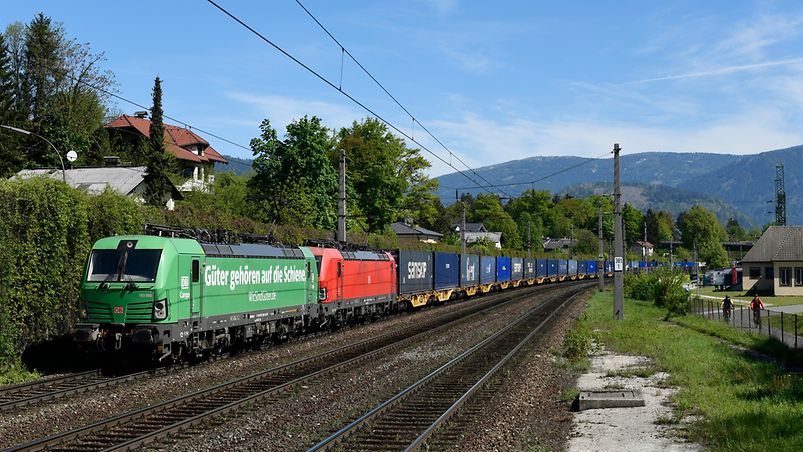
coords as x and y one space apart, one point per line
214 401
55 388
336 439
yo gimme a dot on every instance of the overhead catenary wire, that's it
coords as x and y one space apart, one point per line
339 89
414 120
514 184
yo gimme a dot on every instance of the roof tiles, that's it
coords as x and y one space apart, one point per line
778 243
176 139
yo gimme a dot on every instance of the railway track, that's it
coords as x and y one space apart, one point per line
16 396
144 426
418 416
50 389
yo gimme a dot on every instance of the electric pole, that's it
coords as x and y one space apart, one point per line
462 223
619 260
601 256
341 199
529 243
780 196
644 247
571 241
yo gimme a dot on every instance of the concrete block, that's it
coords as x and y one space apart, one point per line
626 398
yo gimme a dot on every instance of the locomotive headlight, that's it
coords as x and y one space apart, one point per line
322 294
83 312
160 309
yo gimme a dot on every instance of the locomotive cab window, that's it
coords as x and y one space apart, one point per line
103 265
196 270
135 265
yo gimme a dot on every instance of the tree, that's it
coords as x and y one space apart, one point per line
10 157
59 90
295 181
735 231
633 222
158 167
488 210
700 229
384 175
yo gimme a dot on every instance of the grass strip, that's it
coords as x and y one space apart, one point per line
745 403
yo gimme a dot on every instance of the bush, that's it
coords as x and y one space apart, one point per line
45 242
577 343
663 286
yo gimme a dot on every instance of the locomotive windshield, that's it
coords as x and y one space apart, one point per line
131 265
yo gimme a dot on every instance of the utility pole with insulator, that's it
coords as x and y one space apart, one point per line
341 199
619 260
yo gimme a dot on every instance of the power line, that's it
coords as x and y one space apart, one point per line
513 184
339 88
344 50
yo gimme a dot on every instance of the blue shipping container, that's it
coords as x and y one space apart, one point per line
592 267
469 270
563 267
447 270
541 266
552 267
502 268
582 267
572 267
487 269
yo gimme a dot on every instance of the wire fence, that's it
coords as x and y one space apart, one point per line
781 325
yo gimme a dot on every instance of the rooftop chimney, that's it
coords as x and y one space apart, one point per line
141 114
111 160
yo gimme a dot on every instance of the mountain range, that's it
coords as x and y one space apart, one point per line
738 186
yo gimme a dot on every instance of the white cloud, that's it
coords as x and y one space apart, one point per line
724 70
488 141
443 6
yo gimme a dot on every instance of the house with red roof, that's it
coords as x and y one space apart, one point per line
196 157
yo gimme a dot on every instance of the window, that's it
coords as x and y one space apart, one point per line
134 265
196 270
103 265
141 266
769 272
755 272
785 274
799 276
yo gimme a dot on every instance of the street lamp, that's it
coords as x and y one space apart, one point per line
27 132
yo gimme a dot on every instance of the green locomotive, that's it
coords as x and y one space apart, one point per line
175 296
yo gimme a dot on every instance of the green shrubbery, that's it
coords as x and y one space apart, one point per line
663 286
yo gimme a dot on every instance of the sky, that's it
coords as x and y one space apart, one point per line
493 81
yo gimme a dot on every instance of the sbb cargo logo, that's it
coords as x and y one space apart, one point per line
118 310
416 270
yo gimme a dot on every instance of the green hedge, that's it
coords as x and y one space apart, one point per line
46 230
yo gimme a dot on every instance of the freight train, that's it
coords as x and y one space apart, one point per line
180 297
